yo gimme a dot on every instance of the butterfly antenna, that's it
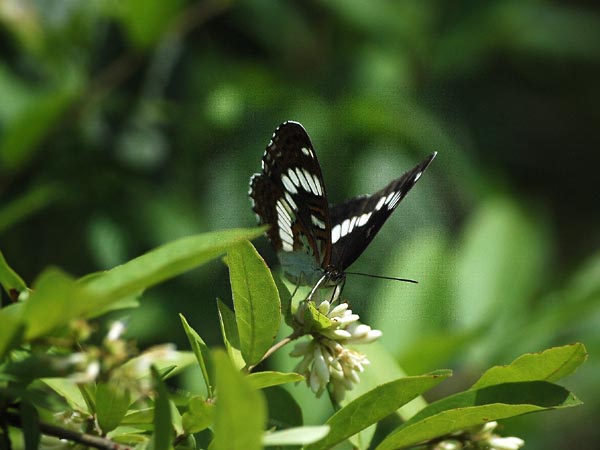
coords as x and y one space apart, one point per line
406 280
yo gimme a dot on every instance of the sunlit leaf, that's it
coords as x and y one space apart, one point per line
240 413
10 280
200 415
373 406
255 299
549 365
112 402
201 351
296 436
229 331
476 407
163 429
261 380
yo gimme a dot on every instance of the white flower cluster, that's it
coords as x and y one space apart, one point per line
326 359
483 438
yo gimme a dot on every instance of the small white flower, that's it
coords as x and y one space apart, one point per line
116 330
326 359
486 437
449 444
505 443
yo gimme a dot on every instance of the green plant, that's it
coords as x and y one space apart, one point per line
58 379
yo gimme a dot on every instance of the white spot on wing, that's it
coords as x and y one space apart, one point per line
345 227
311 182
362 220
305 151
318 184
288 184
395 199
417 176
294 177
389 197
352 223
380 203
317 222
289 199
336 233
303 180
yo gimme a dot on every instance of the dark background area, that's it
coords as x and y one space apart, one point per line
124 125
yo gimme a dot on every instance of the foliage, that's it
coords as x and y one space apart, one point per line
52 372
128 124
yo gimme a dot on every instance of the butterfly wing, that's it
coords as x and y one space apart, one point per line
356 221
289 196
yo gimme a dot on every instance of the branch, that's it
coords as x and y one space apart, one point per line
70 435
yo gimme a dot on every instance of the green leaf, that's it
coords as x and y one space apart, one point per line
31 425
240 412
163 428
10 280
549 365
202 353
255 299
283 409
285 298
112 403
296 436
200 415
376 404
230 334
314 320
265 379
11 333
476 407
68 390
163 263
56 299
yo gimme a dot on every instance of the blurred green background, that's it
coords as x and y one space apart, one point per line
127 124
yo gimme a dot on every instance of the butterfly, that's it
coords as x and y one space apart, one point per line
316 242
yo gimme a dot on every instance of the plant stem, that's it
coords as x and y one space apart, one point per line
273 349
74 436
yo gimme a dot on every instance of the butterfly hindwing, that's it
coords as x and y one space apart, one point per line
356 221
289 195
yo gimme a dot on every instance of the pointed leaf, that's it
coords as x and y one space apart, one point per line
262 380
375 405
10 280
230 334
476 407
240 412
112 402
255 299
165 262
200 415
296 436
163 429
201 351
549 365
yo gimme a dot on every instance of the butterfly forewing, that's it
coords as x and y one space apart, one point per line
289 195
355 222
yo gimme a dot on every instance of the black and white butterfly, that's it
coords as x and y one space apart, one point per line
316 242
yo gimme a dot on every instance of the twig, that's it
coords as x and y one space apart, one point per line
70 435
273 349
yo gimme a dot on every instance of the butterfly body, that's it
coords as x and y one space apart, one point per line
316 242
